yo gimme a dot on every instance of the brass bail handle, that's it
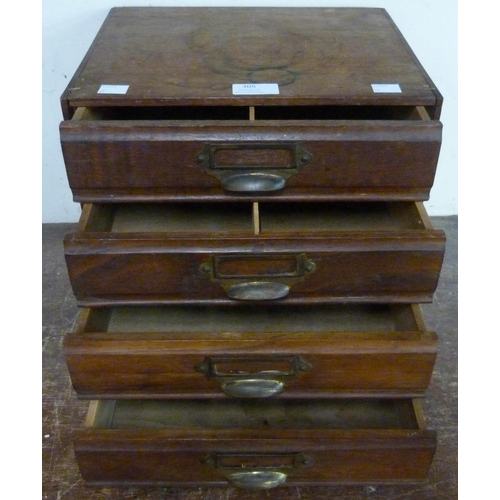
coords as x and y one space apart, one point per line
257 471
253 166
262 384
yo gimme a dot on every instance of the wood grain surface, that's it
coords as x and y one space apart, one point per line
189 56
195 352
63 413
160 159
353 261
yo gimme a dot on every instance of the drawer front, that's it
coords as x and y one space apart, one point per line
303 260
152 160
308 352
145 273
380 450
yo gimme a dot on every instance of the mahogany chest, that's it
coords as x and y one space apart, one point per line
253 248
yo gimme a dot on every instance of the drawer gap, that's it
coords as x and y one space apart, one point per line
338 113
126 113
338 217
272 415
256 218
185 218
408 318
224 113
100 414
355 319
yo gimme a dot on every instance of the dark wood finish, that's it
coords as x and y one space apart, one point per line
178 134
157 254
63 414
154 352
346 442
179 56
117 157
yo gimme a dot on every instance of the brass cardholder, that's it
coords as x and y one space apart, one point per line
253 167
257 471
256 377
258 277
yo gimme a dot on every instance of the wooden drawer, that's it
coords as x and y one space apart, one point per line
258 352
254 444
303 253
213 153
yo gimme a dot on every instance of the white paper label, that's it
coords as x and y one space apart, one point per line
386 88
255 89
113 89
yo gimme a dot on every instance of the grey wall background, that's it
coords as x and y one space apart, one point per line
69 27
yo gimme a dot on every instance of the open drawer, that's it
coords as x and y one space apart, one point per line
254 444
214 153
228 253
250 352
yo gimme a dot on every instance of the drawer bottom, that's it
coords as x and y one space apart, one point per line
254 444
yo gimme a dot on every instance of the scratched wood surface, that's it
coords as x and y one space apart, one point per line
188 56
62 412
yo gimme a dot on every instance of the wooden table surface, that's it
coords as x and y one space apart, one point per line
62 412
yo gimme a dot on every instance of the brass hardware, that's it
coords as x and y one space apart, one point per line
252 388
258 290
257 471
245 384
256 167
257 480
257 277
253 181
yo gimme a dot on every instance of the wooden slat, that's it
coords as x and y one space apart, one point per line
424 216
422 112
419 414
79 113
256 218
419 318
91 413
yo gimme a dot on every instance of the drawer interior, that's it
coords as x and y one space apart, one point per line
254 113
191 217
262 415
262 218
307 217
355 319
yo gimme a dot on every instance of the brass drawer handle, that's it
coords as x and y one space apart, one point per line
258 290
253 167
252 388
253 181
257 479
257 277
257 471
252 377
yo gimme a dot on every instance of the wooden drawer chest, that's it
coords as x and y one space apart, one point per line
317 152
256 445
302 253
183 352
253 248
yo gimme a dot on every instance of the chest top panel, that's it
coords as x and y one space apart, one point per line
193 56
